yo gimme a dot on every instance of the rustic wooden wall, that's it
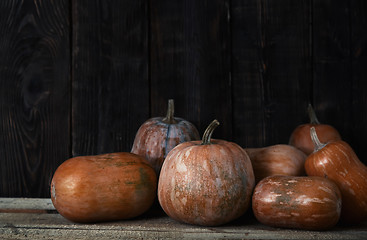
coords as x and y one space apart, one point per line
79 77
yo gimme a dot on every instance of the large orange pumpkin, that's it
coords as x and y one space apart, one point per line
104 187
206 182
159 135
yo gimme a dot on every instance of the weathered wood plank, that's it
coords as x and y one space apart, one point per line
271 69
26 204
152 225
190 62
358 40
332 85
34 94
110 74
247 74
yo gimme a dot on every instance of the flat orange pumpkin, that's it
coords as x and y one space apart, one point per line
104 187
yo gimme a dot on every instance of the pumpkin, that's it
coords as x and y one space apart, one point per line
300 137
279 159
157 136
311 203
337 161
206 182
104 187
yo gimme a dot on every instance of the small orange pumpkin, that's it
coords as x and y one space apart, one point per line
104 187
301 139
279 159
206 182
158 136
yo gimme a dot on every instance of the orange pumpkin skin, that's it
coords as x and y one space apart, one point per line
300 137
310 203
337 161
279 159
104 187
207 184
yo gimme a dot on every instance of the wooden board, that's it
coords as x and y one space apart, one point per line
359 75
271 69
190 62
152 225
34 95
332 85
110 94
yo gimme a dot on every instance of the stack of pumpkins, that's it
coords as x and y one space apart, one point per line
311 183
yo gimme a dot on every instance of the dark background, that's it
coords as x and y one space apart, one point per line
79 77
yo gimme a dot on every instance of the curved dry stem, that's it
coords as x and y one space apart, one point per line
315 140
209 131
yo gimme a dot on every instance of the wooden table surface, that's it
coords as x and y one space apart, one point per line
22 218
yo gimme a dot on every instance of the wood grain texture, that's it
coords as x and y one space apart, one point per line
110 74
190 62
271 69
331 63
358 77
152 225
34 94
247 74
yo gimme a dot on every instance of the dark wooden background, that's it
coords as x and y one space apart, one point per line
79 77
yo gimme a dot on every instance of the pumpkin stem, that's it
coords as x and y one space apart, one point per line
315 140
209 131
169 119
312 115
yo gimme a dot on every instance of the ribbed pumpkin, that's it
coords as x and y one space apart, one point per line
159 135
206 182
